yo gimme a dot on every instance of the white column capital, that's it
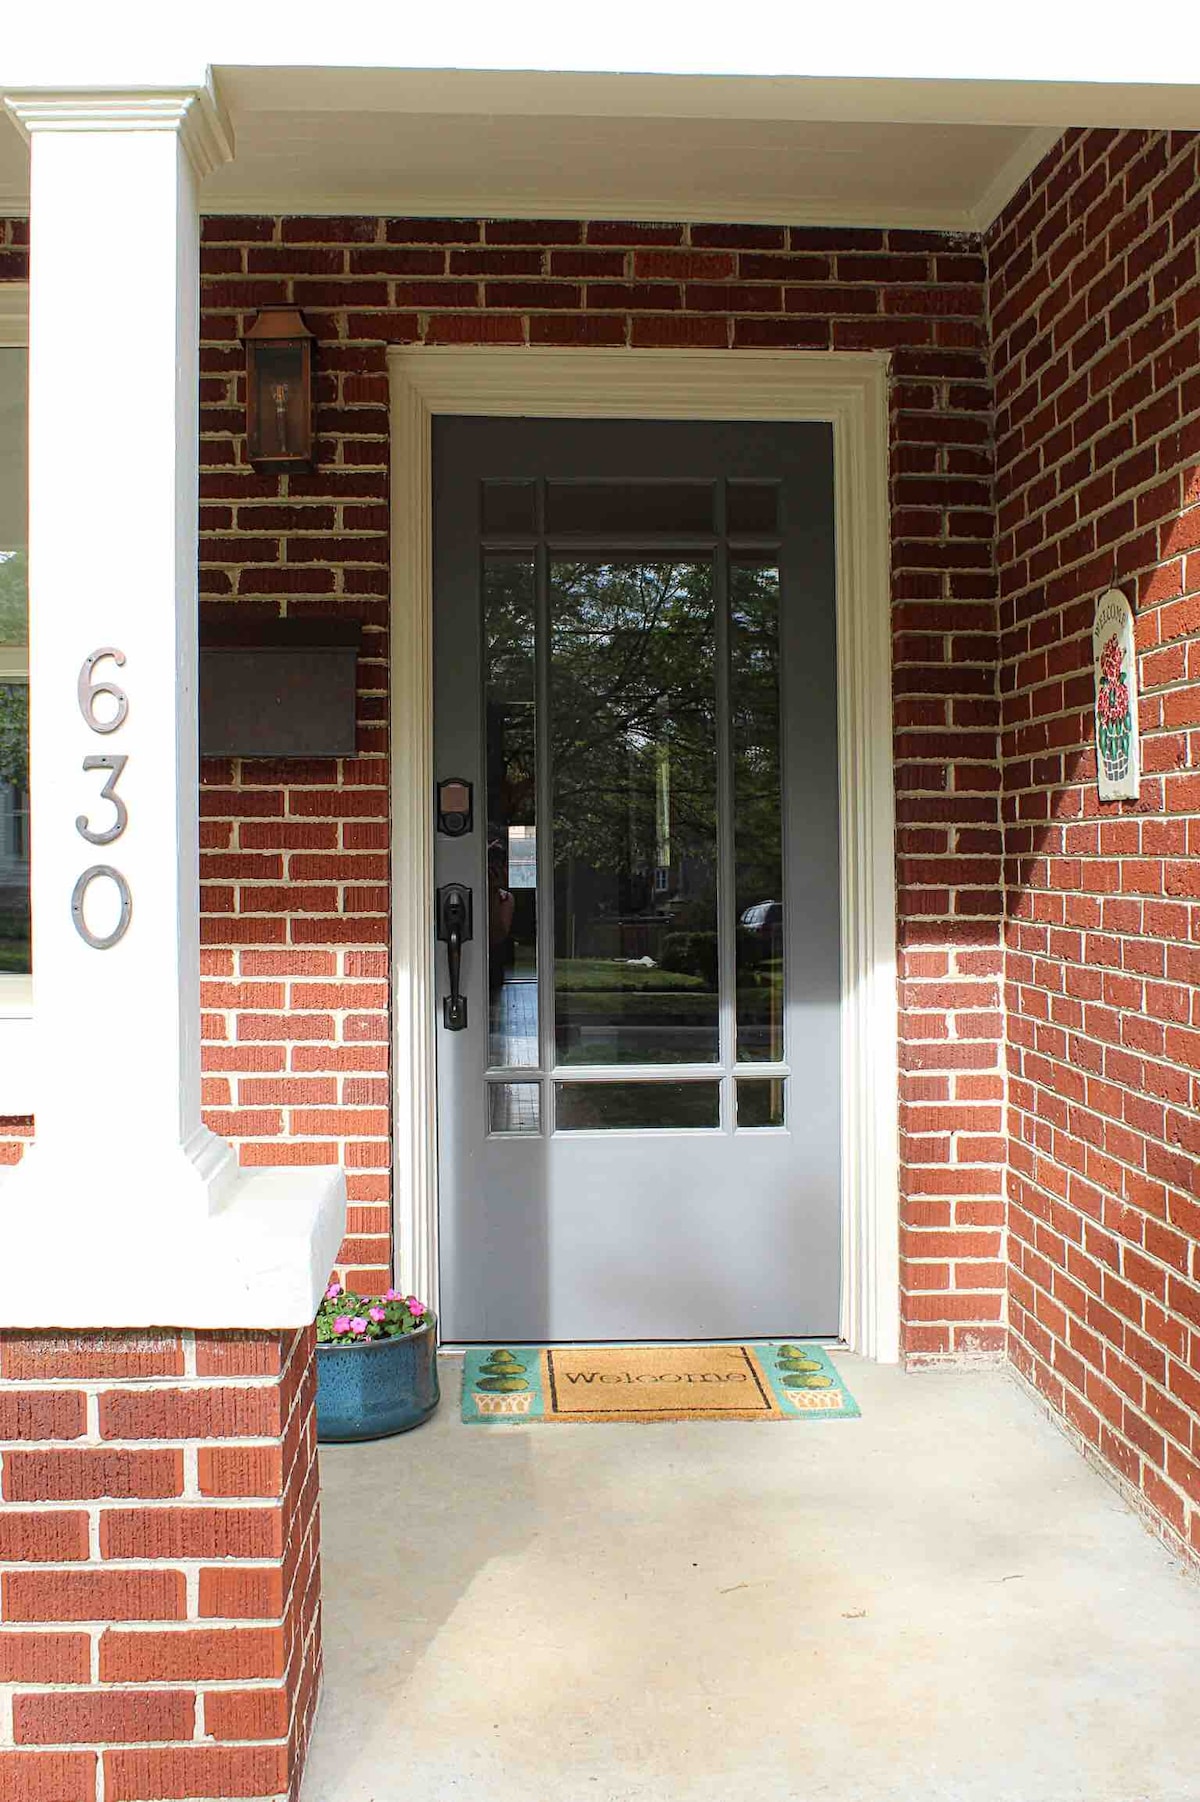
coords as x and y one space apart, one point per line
194 113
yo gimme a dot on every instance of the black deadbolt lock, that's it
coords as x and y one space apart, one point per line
455 814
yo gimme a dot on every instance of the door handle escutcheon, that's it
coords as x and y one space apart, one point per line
454 929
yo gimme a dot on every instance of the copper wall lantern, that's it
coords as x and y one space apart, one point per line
279 390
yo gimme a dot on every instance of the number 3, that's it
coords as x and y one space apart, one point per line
107 793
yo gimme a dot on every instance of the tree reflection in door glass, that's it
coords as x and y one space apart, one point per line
633 731
509 628
757 808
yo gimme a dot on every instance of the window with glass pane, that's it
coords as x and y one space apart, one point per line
514 1107
757 808
634 742
511 706
14 669
760 1102
637 1106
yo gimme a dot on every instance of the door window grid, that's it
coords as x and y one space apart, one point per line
521 1019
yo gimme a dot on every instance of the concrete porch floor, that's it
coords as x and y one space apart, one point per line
941 1602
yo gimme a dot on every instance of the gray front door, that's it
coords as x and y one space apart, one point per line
635 672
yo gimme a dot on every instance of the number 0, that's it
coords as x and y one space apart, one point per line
79 896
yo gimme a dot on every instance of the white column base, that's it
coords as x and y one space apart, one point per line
261 1259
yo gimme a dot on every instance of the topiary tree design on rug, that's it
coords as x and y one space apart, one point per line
501 1386
799 1371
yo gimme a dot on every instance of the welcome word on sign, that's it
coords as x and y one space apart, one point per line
658 1376
89 691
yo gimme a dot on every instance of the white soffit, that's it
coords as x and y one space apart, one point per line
578 146
571 166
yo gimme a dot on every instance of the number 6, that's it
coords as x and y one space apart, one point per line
88 690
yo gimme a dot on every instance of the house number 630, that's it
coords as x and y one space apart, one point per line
89 691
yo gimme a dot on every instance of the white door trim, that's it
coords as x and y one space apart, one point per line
849 391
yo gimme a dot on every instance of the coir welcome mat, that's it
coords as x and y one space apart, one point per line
769 1380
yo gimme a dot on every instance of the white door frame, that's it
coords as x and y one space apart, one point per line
848 390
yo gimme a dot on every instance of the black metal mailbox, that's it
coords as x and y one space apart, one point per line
278 688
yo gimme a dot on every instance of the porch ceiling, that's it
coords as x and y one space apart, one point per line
627 146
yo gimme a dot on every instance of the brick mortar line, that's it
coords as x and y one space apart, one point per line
166 1746
1021 1238
149 1505
1024 1118
1159 1059
146 1384
132 1685
1074 219
1139 1409
1031 380
1022 237
1131 496
1121 1274
1152 608
106 1504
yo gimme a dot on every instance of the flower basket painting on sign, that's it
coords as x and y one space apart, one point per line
1115 659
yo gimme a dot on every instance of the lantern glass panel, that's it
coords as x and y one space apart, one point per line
282 422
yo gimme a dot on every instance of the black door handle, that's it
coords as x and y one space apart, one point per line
454 929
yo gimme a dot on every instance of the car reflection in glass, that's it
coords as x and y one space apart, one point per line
765 917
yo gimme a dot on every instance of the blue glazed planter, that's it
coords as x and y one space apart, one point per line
380 1387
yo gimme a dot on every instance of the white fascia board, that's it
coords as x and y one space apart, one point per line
143 42
529 93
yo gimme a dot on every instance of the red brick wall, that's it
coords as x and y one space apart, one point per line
295 857
159 1569
295 865
1095 308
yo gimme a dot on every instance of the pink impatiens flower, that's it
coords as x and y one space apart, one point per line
416 1308
358 1324
342 1324
378 1313
333 1291
392 1295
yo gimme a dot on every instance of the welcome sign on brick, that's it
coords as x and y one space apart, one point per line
1114 670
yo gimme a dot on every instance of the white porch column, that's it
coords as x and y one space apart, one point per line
121 1162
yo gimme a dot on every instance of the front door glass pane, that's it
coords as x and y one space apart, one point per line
511 719
628 508
757 808
634 751
760 1102
514 1107
633 1106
